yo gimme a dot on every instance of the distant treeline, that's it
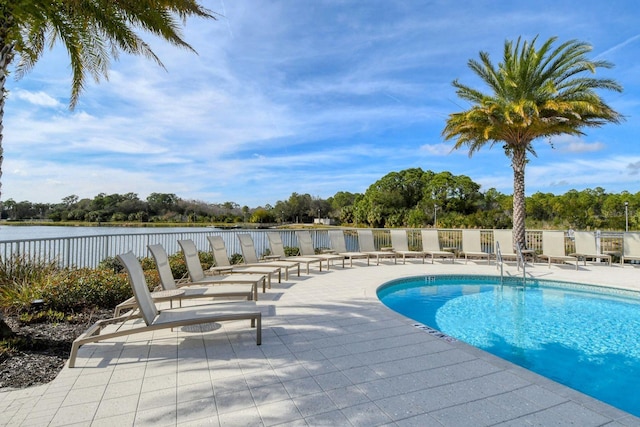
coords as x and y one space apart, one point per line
409 198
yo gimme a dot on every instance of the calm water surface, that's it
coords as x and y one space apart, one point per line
586 340
9 232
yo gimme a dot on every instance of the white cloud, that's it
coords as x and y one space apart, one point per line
41 99
288 98
441 149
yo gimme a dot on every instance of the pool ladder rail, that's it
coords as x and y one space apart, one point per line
520 259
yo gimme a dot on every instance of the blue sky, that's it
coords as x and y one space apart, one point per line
310 97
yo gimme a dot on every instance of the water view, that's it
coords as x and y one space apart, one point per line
10 232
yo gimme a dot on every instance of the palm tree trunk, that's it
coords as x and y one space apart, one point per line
518 163
6 55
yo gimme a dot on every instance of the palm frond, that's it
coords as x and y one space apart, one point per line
95 31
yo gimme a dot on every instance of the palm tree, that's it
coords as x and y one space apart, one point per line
534 93
92 31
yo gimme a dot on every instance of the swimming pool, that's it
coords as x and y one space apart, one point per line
585 337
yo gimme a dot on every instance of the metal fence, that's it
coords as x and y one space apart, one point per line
89 251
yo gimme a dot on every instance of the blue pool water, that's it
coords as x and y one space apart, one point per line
574 334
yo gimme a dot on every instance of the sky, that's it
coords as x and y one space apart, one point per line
312 97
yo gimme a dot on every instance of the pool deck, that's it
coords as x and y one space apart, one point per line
331 354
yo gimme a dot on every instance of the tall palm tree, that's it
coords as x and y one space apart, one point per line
92 31
534 93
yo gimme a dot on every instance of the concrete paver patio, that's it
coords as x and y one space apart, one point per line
332 354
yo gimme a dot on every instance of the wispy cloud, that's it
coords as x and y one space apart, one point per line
290 97
618 46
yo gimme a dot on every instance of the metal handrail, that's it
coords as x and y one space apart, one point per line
521 260
499 261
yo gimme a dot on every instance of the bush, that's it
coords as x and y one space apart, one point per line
20 269
178 266
80 289
111 263
291 251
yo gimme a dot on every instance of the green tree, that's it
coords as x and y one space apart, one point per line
534 93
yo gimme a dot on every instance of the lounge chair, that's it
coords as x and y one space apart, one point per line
367 245
277 250
305 244
471 246
155 319
503 239
219 251
250 256
197 276
222 288
630 247
339 246
400 244
586 248
431 245
553 248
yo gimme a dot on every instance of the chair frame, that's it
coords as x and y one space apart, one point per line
551 240
339 246
471 246
197 275
305 244
219 251
586 248
250 257
431 245
400 244
155 319
277 250
367 246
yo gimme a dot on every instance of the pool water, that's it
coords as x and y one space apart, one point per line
574 334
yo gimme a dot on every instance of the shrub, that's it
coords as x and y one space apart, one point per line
111 263
85 289
206 259
235 259
16 297
80 289
19 269
178 266
291 251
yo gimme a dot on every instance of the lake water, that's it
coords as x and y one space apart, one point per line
10 232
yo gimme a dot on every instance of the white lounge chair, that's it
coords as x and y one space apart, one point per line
250 256
339 246
197 276
219 251
553 248
305 244
586 247
431 245
189 290
155 319
472 246
368 246
400 244
504 240
630 247
277 250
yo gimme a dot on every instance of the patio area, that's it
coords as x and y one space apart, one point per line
331 355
